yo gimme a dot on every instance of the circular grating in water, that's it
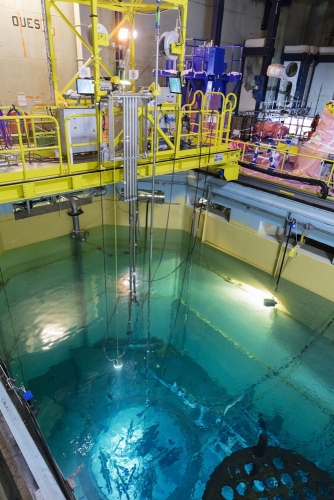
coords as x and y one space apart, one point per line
277 474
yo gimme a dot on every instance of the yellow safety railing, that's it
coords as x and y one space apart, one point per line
283 162
11 108
71 145
215 124
191 136
204 134
198 130
23 148
18 112
42 129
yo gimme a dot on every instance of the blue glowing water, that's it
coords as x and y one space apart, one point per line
217 369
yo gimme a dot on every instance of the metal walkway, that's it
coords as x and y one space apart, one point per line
29 474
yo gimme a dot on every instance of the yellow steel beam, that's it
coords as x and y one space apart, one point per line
95 48
129 8
53 60
133 7
70 25
18 191
87 63
72 28
184 14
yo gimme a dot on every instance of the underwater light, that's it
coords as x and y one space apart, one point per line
117 364
256 296
270 302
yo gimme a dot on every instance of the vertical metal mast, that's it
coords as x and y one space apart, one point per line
95 47
129 105
130 134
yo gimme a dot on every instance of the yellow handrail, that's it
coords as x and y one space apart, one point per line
28 148
70 145
329 181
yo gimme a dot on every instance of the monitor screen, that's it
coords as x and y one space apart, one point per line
175 85
85 86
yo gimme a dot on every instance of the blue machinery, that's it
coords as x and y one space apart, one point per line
208 69
212 69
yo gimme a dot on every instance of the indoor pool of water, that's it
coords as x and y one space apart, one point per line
205 366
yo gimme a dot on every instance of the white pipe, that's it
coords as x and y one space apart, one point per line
72 201
77 26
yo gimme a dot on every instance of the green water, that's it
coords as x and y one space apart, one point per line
205 368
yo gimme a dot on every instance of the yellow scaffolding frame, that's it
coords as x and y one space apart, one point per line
209 134
129 9
51 172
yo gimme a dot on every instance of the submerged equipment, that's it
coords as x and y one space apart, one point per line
263 471
291 223
270 302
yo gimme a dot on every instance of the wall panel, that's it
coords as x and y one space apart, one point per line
308 270
23 60
322 87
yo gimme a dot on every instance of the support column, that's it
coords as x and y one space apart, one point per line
50 52
217 21
95 46
74 213
77 26
183 32
271 23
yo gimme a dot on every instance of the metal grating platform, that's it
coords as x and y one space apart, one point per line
268 473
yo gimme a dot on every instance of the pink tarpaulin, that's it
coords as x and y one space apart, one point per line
320 146
271 129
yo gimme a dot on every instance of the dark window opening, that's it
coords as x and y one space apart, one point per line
327 249
220 210
291 69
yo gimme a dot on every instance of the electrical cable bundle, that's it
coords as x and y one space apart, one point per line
7 140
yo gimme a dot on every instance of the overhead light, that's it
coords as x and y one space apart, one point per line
125 82
134 34
123 34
